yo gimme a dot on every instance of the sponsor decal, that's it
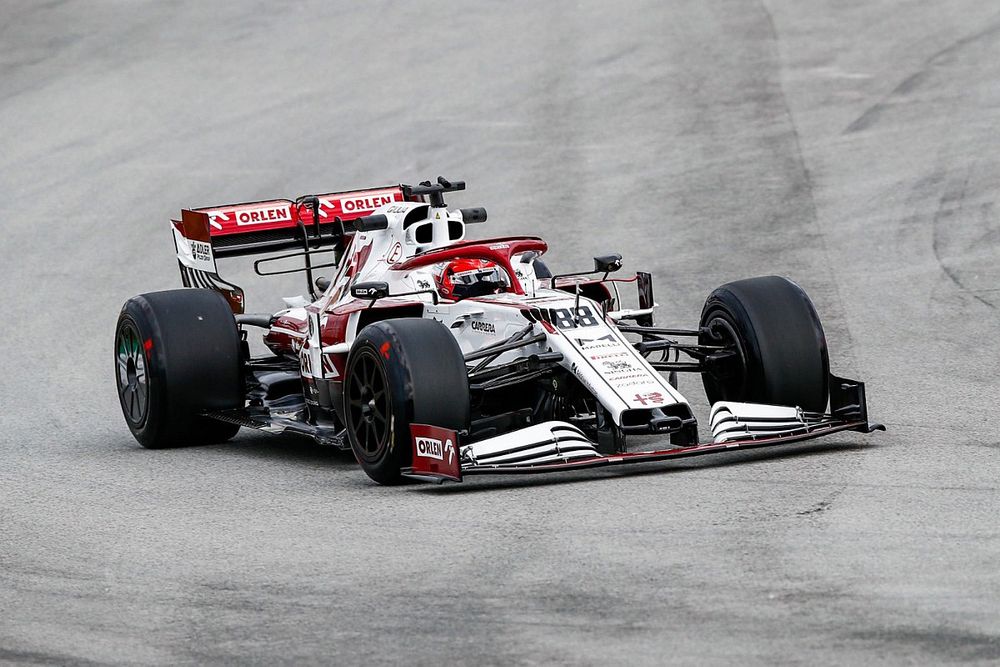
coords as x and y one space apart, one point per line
358 203
609 355
484 327
622 373
639 380
359 259
201 252
430 448
312 396
459 276
654 398
196 255
499 246
364 203
258 216
394 254
606 341
216 219
575 370
634 380
617 366
329 368
423 284
396 209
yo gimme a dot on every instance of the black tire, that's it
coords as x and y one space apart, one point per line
782 353
400 372
177 354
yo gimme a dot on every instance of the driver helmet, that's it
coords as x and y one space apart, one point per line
462 278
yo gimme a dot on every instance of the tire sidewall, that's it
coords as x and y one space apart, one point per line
156 411
396 454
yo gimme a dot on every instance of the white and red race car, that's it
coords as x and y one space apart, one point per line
433 357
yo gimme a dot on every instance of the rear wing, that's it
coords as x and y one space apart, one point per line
204 234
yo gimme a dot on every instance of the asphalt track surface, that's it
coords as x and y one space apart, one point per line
853 147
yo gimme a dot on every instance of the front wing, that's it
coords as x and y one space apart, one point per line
558 446
597 460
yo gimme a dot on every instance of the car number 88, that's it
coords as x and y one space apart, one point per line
563 317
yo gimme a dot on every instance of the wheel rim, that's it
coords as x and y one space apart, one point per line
368 406
133 375
732 382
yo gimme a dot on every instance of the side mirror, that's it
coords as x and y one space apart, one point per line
471 215
371 223
372 290
608 263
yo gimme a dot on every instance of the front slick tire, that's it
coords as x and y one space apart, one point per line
401 372
178 354
781 349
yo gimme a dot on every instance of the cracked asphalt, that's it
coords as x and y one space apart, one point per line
853 147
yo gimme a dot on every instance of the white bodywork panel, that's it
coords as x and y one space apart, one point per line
195 255
542 443
740 421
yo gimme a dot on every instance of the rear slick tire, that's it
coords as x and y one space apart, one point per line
178 354
782 356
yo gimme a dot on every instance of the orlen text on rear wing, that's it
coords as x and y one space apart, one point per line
204 234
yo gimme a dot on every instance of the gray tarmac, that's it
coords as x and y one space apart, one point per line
854 147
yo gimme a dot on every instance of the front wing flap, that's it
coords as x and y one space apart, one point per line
599 460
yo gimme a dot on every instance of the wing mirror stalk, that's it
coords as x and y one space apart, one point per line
606 264
376 290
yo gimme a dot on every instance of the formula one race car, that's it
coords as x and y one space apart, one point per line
433 357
